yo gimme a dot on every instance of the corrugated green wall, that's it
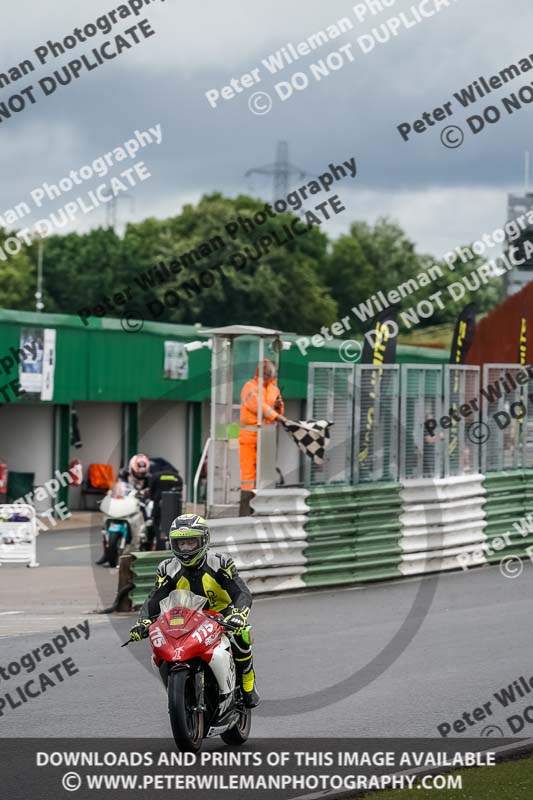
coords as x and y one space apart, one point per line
103 362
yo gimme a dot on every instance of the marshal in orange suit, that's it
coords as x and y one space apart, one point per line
273 408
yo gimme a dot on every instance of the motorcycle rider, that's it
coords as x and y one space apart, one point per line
137 473
210 575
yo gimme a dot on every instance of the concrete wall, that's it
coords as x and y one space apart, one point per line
26 439
163 431
101 435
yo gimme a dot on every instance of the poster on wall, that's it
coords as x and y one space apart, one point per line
176 366
37 362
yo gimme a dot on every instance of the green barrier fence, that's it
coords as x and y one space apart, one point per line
143 569
353 534
509 501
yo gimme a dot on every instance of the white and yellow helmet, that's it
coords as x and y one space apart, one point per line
189 539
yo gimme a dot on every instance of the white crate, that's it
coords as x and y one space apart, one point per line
18 540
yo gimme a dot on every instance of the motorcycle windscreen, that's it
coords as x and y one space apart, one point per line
182 598
122 489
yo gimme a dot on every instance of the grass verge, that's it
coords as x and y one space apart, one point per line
509 780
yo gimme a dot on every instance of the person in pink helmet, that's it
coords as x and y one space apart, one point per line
138 472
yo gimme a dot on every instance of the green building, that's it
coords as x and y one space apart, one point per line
131 391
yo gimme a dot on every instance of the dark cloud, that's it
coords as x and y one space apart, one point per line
355 111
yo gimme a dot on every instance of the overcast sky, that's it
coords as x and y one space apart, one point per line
442 197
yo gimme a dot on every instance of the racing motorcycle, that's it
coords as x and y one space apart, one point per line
126 523
194 658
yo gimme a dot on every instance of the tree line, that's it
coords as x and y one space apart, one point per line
296 285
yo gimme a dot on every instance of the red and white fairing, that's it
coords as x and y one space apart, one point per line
183 633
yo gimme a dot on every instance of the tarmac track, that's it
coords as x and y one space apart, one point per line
473 641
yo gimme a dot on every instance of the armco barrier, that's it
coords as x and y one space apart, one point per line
143 569
268 548
441 518
353 534
509 503
337 535
267 553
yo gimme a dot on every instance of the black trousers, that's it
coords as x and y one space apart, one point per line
161 541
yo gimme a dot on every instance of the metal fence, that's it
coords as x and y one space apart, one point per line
421 421
331 396
376 423
508 415
420 402
223 464
463 439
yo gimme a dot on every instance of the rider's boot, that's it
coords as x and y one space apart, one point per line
251 699
244 664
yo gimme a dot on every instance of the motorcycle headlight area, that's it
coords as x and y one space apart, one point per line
118 527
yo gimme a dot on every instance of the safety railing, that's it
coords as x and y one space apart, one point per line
330 395
377 392
508 417
420 421
461 404
268 548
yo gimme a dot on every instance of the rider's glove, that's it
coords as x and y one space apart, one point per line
140 631
238 618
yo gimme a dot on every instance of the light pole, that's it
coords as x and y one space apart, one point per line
39 305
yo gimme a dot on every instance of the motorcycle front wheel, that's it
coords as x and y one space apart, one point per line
186 721
113 548
241 731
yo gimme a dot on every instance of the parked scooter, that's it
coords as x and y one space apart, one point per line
126 524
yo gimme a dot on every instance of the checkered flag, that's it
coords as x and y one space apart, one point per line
311 436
